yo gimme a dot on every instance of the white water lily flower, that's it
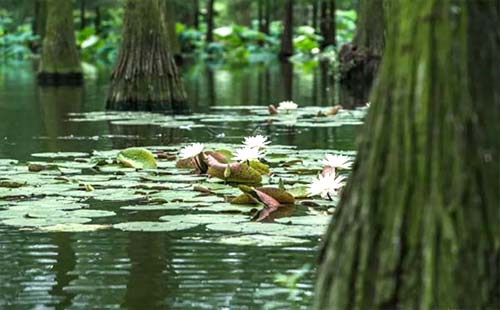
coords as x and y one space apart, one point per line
191 150
247 153
337 161
257 141
326 185
287 105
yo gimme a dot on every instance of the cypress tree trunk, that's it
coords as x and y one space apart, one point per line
287 36
210 21
59 63
360 59
145 76
97 20
418 224
174 46
314 22
267 16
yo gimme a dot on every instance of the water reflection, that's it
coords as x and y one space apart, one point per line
65 264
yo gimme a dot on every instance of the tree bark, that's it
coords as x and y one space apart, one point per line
328 28
145 76
97 20
418 224
287 36
314 22
83 20
59 63
196 14
210 21
174 46
40 18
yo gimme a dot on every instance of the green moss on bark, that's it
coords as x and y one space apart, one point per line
418 225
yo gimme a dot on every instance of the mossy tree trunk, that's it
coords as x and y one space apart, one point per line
40 18
59 63
286 49
196 14
418 224
145 76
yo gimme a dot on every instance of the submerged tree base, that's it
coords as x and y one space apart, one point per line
358 67
55 79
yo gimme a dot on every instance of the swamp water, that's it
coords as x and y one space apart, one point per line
193 250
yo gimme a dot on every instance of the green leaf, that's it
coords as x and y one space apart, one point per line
138 158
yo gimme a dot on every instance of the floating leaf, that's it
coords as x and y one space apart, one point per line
239 172
306 220
154 226
138 158
261 240
74 227
47 221
204 218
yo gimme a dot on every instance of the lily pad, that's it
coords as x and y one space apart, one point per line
313 220
60 154
74 227
261 240
154 226
138 158
204 218
47 221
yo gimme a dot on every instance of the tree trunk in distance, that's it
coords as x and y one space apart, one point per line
174 46
328 28
40 18
145 76
83 21
196 13
418 224
359 60
59 62
97 20
314 22
287 36
267 16
210 21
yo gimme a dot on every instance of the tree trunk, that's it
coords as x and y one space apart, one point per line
418 224
196 14
267 17
97 20
59 63
210 21
328 28
287 36
359 61
83 21
174 46
145 76
314 22
40 18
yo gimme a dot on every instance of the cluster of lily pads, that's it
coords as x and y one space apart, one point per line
286 114
214 187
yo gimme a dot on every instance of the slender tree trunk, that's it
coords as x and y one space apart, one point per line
314 22
83 21
97 20
40 19
210 21
145 76
328 28
332 28
59 63
260 15
267 16
174 46
418 224
196 14
287 36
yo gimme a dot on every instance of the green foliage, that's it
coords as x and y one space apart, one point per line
346 26
15 40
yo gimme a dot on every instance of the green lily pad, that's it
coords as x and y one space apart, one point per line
74 227
138 158
47 221
205 218
306 220
261 240
270 229
154 226
60 154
